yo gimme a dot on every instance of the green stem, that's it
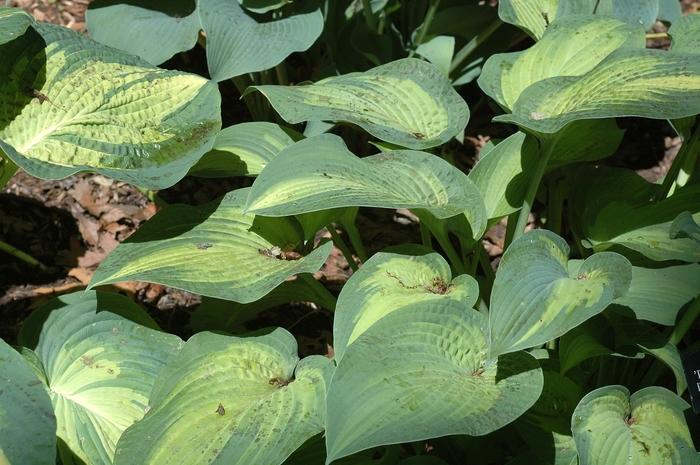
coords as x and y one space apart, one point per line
427 22
473 44
510 229
451 253
282 77
486 265
473 263
326 299
532 188
554 203
686 322
425 236
7 170
689 149
369 15
340 243
356 241
25 257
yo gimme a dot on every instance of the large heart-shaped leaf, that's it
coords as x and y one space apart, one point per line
88 300
243 150
215 250
100 368
231 400
152 35
69 104
408 102
647 428
320 173
536 298
646 83
570 47
237 44
686 34
27 422
13 23
387 282
421 372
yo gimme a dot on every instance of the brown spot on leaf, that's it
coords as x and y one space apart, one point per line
220 410
279 254
439 286
280 383
87 360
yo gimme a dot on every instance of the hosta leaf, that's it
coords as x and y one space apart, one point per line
237 44
100 368
88 300
90 107
637 12
668 354
547 447
321 173
152 35
27 422
215 250
657 294
528 14
13 23
421 372
536 298
685 226
224 315
670 11
387 282
231 400
685 34
649 428
552 411
501 174
654 242
634 219
407 102
592 338
243 150
570 47
263 6
645 83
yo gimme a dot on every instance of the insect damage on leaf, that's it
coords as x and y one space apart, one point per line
280 383
279 254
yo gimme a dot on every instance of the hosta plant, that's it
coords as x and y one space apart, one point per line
564 350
